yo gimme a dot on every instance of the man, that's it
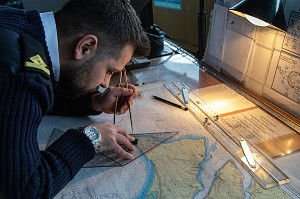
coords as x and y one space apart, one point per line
41 73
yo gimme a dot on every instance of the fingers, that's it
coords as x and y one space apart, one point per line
121 152
105 101
123 106
123 132
131 92
122 91
134 93
126 97
126 144
113 136
125 139
122 140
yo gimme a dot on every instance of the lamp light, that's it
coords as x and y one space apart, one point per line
262 13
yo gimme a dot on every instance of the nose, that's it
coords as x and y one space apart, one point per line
106 81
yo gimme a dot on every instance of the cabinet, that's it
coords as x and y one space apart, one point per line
182 25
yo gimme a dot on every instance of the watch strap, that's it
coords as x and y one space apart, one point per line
93 134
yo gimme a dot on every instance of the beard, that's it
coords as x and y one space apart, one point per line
74 80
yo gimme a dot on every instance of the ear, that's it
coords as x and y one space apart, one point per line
85 47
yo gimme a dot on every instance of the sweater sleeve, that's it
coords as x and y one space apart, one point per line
26 96
25 171
73 107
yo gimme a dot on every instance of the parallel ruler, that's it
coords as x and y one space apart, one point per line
265 172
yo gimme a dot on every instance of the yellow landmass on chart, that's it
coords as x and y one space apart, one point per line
229 185
176 168
258 191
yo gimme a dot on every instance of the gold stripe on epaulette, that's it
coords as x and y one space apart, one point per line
38 63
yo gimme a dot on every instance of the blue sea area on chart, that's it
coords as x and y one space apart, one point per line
188 153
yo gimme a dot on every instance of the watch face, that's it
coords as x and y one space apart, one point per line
92 129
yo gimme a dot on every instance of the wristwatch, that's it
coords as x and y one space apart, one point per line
94 135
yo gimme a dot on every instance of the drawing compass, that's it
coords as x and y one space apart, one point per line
128 102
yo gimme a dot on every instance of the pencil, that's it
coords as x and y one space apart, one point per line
170 103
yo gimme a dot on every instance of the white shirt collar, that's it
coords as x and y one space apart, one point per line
49 24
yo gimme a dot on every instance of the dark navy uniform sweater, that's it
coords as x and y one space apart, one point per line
26 95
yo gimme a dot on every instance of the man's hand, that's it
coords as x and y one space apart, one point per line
105 102
112 136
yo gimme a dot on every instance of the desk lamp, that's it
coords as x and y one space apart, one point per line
262 13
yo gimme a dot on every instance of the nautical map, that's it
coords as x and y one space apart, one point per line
287 77
291 40
191 164
179 168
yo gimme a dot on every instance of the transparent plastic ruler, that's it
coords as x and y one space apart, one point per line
265 172
145 143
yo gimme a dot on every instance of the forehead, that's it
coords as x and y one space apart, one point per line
119 63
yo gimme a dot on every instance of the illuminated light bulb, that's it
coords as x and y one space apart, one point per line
256 21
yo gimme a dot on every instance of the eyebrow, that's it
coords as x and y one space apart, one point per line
112 69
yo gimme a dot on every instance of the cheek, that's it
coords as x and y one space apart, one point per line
97 76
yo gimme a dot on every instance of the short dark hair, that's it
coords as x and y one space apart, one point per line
114 22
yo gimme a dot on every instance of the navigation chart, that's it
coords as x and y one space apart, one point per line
287 78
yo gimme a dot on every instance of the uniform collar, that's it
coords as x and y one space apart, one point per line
49 25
